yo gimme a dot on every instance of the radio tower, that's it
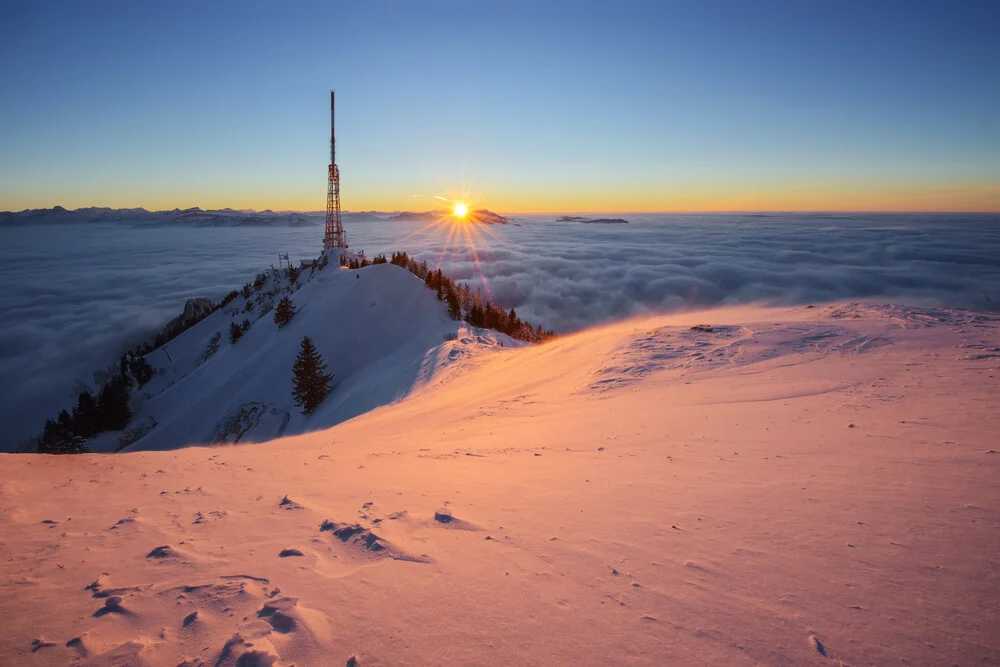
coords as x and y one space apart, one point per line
335 237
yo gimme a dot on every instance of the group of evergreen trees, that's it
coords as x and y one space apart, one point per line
236 331
109 411
363 262
284 313
136 367
463 304
228 298
467 305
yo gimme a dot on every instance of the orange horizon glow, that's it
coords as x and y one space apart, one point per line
831 198
459 234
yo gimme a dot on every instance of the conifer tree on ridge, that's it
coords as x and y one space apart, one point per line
310 381
284 313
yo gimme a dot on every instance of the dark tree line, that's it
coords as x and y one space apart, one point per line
228 298
363 262
236 331
107 411
464 304
108 408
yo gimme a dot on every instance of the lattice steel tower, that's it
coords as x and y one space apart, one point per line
335 237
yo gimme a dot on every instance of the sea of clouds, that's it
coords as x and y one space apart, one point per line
75 296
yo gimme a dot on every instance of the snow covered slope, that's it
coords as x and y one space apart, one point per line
810 486
379 329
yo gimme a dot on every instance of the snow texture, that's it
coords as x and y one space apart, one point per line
379 329
737 486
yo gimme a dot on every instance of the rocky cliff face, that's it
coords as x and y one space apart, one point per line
195 310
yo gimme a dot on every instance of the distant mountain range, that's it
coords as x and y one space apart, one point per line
480 215
225 217
197 217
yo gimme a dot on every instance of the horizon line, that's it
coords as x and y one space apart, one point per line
549 212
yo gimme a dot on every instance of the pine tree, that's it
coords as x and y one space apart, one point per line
284 313
68 444
140 369
84 413
113 413
310 381
63 443
235 332
454 307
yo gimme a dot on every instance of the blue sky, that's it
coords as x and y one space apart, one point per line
516 106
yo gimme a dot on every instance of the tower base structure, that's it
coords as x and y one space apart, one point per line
334 236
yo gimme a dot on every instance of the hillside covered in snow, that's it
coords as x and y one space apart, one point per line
226 373
741 486
379 329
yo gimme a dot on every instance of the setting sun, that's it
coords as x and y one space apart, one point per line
460 210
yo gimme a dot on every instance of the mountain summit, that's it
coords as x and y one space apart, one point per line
379 329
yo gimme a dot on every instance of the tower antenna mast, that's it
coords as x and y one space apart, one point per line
335 236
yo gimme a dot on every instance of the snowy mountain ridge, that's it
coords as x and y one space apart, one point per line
379 329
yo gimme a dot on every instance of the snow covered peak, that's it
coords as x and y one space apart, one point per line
379 329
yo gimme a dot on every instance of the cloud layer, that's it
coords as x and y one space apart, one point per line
570 275
77 295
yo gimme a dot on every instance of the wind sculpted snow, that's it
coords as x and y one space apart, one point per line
742 486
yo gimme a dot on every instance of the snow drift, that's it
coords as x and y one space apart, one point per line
807 486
